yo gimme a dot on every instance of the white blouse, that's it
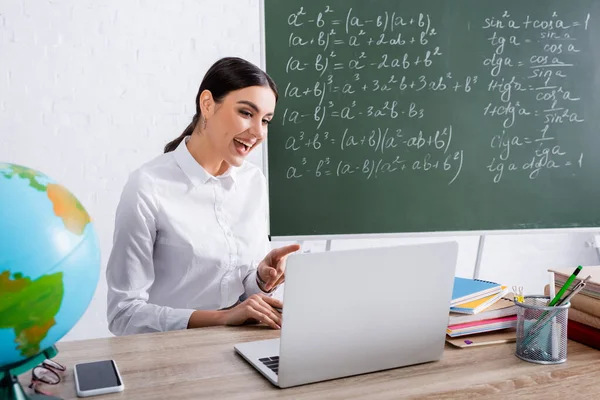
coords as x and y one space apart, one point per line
184 240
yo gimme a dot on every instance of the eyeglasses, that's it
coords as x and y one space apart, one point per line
47 372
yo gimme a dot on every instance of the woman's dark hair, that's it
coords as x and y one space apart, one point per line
224 76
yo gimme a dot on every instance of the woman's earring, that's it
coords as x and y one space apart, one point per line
204 123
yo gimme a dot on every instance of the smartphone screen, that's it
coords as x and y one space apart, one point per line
97 375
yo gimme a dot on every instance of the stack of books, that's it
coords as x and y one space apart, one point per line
481 312
584 313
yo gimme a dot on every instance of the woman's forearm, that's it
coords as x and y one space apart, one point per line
204 318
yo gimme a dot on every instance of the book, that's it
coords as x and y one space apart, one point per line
592 287
502 308
584 318
584 334
484 339
476 306
482 326
581 302
467 289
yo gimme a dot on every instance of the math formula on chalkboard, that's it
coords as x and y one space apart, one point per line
431 94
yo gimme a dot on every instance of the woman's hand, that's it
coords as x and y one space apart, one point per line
258 307
271 269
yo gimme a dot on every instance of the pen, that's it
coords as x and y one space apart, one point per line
565 300
550 314
565 286
576 289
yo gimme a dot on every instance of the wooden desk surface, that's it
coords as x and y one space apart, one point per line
201 363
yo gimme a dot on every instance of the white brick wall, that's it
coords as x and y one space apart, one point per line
91 89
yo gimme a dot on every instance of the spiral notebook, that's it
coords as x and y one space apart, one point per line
478 305
502 308
467 289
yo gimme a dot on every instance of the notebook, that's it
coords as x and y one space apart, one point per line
482 326
467 289
484 339
502 308
476 306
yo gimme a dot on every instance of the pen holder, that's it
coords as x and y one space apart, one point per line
541 331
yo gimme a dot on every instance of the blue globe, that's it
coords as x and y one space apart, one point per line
49 262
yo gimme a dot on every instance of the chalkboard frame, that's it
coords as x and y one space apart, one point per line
397 235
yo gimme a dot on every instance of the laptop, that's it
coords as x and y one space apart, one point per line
358 311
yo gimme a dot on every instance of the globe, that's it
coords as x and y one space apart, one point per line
49 262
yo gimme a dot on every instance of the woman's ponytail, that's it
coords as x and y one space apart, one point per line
172 145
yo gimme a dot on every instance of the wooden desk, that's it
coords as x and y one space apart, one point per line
201 363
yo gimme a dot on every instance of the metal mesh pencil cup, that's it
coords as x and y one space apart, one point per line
541 331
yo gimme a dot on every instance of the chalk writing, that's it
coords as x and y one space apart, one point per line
377 82
551 63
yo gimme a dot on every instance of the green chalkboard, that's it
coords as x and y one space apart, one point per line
433 115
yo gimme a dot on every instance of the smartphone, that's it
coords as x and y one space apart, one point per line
97 377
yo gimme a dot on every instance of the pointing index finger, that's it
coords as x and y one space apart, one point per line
281 252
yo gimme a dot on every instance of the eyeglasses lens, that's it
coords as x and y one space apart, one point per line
46 375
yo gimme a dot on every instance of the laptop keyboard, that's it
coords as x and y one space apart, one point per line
272 363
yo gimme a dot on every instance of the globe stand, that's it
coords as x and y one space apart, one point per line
10 387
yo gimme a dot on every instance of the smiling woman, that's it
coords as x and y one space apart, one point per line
231 127
239 99
190 246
